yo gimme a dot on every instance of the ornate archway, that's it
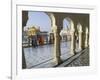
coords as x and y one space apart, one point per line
70 32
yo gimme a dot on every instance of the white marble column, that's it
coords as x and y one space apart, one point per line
86 38
56 55
61 34
80 37
72 41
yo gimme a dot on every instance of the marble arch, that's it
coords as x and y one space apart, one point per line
71 33
56 54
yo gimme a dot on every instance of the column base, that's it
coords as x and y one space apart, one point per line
57 61
79 50
72 52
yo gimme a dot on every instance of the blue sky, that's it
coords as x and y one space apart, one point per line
41 19
65 23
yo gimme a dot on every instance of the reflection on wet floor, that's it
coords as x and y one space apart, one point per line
42 56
